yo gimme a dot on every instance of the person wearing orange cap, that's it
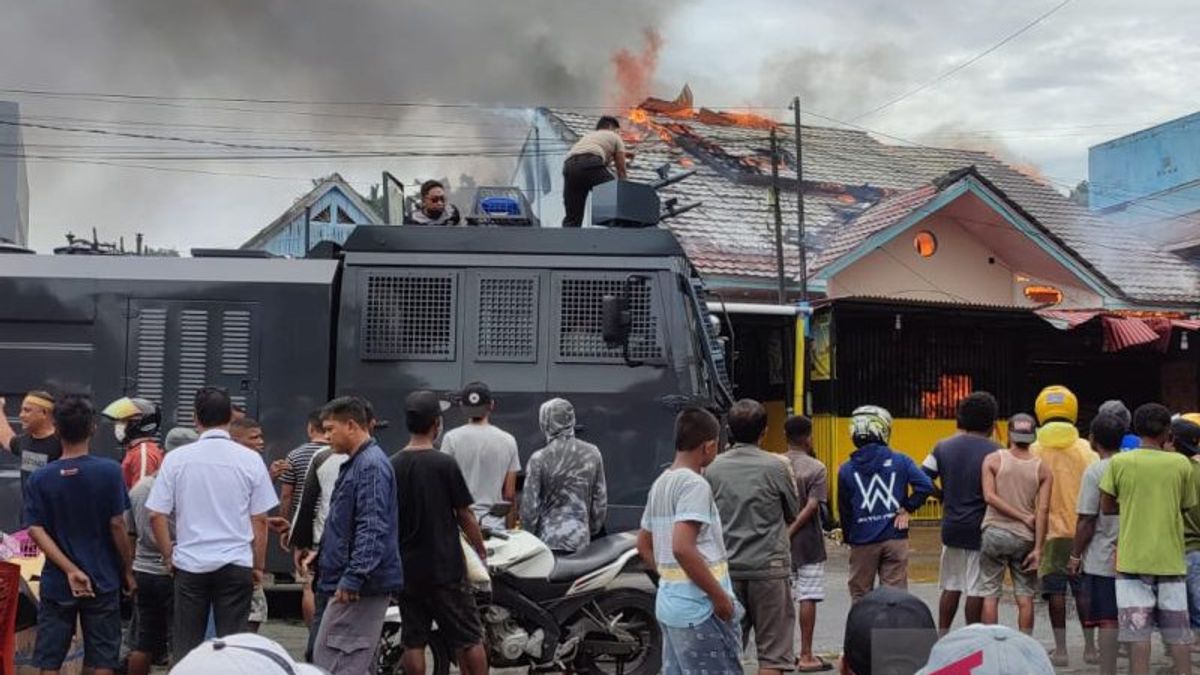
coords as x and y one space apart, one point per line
1067 455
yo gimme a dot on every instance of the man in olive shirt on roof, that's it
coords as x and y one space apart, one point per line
586 166
757 501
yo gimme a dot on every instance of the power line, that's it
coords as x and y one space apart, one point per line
925 85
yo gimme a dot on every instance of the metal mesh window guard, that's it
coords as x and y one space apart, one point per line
580 333
410 316
508 309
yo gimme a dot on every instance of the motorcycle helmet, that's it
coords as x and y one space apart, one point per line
870 424
1056 403
133 418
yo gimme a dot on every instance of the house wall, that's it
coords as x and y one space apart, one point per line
539 173
1147 163
289 241
14 186
959 271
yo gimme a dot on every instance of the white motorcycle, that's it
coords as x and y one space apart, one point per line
552 613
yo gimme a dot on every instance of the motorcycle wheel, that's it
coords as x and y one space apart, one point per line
388 657
636 612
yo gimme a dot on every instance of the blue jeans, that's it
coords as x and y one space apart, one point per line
713 647
1193 588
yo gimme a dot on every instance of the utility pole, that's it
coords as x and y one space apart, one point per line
778 217
800 205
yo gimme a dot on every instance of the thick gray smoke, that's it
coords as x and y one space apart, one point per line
529 52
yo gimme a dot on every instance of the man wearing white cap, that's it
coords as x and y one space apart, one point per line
987 650
242 654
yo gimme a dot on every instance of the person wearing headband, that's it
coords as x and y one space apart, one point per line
37 444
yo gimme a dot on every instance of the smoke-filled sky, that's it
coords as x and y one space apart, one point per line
1093 70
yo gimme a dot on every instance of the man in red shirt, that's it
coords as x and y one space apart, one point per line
136 422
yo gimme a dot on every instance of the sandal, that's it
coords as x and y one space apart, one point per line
821 666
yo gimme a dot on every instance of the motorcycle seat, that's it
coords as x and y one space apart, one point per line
592 557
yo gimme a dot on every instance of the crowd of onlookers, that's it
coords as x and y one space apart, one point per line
1112 520
737 536
184 530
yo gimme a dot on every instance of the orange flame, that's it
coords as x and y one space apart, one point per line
635 72
943 402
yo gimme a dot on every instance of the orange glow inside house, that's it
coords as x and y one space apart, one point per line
925 243
942 403
1044 295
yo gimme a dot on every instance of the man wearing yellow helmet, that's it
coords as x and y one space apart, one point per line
136 423
1060 448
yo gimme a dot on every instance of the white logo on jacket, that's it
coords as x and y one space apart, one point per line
877 492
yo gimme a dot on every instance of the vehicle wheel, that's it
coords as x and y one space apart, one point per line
388 657
634 612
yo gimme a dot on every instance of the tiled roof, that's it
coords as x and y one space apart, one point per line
846 172
889 211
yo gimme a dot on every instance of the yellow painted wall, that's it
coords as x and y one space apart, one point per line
913 437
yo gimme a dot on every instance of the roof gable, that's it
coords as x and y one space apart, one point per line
333 183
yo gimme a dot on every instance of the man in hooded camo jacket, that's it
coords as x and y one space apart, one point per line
565 499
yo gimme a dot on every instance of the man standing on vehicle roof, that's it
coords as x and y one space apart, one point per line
586 166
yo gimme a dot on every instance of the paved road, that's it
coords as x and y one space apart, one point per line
831 614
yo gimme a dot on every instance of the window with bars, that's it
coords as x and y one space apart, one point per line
410 316
508 319
580 329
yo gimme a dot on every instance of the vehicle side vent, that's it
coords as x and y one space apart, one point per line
508 317
580 333
235 342
410 316
193 361
151 353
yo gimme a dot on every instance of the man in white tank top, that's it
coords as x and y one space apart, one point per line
1016 487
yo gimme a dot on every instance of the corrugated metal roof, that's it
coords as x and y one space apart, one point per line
733 232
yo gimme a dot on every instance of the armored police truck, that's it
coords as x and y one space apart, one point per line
613 320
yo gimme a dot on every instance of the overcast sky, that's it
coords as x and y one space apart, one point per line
1094 70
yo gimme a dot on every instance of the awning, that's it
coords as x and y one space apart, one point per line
1122 331
1066 319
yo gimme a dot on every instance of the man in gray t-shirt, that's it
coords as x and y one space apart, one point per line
1094 550
154 601
487 456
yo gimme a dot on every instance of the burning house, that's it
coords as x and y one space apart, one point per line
931 271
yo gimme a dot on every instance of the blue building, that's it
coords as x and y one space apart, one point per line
14 184
1149 181
329 212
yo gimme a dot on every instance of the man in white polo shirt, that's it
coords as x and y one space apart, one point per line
219 495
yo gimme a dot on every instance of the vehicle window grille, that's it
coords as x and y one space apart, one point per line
409 316
580 330
508 314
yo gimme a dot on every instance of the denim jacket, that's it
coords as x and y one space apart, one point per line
360 549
